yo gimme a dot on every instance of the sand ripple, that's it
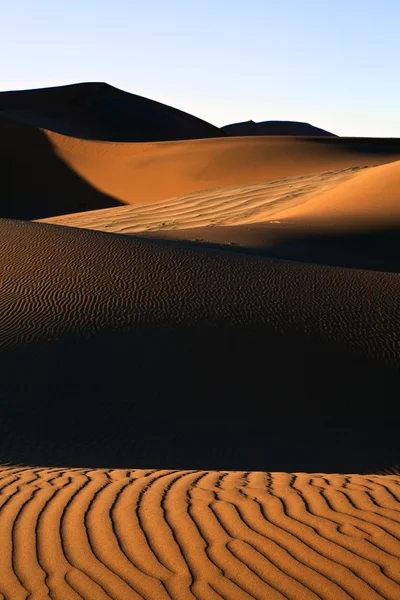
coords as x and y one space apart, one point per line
78 533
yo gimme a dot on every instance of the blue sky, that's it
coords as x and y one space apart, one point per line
333 63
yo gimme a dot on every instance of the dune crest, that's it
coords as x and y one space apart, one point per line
145 173
219 207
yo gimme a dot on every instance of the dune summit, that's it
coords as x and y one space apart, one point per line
200 348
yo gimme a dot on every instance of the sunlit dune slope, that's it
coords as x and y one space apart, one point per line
371 196
141 173
84 534
274 128
348 217
120 348
46 174
102 112
233 205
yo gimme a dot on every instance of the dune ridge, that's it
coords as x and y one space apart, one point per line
228 206
346 218
78 533
145 173
357 195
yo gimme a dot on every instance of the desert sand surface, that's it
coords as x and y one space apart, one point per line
197 534
200 356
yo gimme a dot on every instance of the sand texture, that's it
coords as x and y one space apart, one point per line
198 534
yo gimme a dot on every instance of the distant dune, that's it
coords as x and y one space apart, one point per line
98 111
274 128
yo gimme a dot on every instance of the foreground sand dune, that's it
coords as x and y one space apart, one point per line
121 349
75 533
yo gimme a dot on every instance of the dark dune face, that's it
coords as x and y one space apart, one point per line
35 181
373 248
274 128
99 111
121 351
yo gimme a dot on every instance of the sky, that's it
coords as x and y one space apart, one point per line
332 63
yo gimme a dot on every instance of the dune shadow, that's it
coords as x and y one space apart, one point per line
35 182
361 144
373 248
197 398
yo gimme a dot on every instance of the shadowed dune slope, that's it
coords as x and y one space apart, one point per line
274 128
35 181
84 534
102 112
142 173
180 357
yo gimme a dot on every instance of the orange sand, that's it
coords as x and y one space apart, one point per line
198 534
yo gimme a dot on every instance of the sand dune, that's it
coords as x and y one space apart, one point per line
35 182
198 534
274 128
373 195
348 218
236 205
142 173
355 196
127 348
46 174
100 111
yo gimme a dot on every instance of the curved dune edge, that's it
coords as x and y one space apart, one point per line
236 205
76 533
355 196
142 173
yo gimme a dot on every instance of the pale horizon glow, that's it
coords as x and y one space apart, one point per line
331 64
